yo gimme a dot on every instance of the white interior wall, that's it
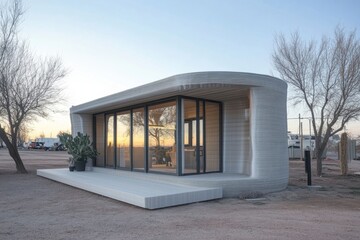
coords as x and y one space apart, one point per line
212 126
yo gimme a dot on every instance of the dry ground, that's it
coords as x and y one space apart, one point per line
32 207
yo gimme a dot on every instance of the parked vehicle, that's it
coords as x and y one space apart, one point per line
48 143
294 141
60 147
35 145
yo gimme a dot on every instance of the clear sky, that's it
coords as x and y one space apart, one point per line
110 46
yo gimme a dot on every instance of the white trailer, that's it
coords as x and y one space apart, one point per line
48 143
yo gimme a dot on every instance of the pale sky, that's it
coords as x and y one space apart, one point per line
111 46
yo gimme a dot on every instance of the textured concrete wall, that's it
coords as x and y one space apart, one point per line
237 149
82 123
269 134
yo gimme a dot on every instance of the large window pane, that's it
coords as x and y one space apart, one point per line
189 156
186 133
100 137
212 122
161 136
201 123
193 136
110 141
138 139
123 140
201 135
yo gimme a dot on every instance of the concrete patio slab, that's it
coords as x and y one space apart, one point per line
132 188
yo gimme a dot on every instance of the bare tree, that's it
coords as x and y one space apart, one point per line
325 76
29 86
23 134
161 122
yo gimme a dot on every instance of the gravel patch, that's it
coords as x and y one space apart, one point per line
32 207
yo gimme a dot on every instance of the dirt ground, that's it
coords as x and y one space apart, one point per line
32 207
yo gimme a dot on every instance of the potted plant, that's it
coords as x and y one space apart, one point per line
80 148
64 137
71 164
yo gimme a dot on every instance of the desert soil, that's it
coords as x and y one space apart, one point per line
33 207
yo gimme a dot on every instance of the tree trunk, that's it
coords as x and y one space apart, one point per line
319 153
343 154
13 151
318 162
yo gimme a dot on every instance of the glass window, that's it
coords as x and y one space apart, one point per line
100 133
123 140
161 137
110 141
194 131
189 156
201 123
193 134
186 133
201 135
138 150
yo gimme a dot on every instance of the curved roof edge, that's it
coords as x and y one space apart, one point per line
181 83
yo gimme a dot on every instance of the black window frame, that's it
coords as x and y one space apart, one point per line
179 136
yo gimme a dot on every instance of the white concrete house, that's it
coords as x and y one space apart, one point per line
220 130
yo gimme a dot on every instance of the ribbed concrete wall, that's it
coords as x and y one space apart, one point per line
82 123
269 134
237 148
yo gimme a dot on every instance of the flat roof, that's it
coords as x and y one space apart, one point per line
217 85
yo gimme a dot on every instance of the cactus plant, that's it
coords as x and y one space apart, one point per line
80 147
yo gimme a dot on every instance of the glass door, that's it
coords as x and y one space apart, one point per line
123 131
162 137
110 153
193 158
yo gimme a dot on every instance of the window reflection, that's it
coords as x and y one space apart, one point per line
110 141
186 133
123 140
138 139
201 132
190 137
162 126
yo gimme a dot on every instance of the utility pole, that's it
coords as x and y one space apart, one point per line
300 138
